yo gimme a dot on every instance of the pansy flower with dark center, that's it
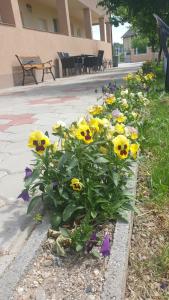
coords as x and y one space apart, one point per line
121 146
84 133
76 184
38 141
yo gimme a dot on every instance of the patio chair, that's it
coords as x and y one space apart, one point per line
70 64
100 60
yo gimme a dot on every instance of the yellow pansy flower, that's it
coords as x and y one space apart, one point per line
94 124
133 132
38 141
110 100
121 118
120 128
134 150
84 133
95 110
118 116
121 146
76 184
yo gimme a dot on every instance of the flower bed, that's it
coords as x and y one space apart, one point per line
81 176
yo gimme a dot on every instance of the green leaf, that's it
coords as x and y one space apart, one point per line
64 232
34 202
55 220
95 253
101 160
93 214
116 178
79 247
69 210
31 179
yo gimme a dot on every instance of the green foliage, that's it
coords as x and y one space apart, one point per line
139 14
140 43
156 140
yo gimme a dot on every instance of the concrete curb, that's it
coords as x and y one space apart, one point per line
116 274
16 270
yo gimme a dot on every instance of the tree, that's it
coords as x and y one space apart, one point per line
140 43
139 13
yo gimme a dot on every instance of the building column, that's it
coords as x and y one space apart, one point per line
63 17
88 22
16 13
109 32
102 29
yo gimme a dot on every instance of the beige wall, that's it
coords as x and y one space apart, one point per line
40 14
127 42
148 56
27 42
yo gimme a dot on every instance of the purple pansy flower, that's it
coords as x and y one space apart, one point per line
24 195
116 113
105 248
28 173
91 243
112 87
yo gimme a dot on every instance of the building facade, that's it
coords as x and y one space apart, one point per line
43 28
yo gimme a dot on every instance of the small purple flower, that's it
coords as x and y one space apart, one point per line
28 173
116 113
91 243
164 285
105 248
112 87
24 195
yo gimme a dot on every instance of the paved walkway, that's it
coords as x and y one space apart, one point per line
23 109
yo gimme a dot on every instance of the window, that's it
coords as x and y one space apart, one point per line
6 12
42 25
29 8
55 25
79 32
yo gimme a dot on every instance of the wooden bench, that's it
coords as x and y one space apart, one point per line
30 64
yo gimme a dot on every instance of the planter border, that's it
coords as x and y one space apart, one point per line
21 263
116 274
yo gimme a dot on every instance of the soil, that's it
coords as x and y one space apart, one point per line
73 277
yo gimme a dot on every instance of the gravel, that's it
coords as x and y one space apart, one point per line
72 277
